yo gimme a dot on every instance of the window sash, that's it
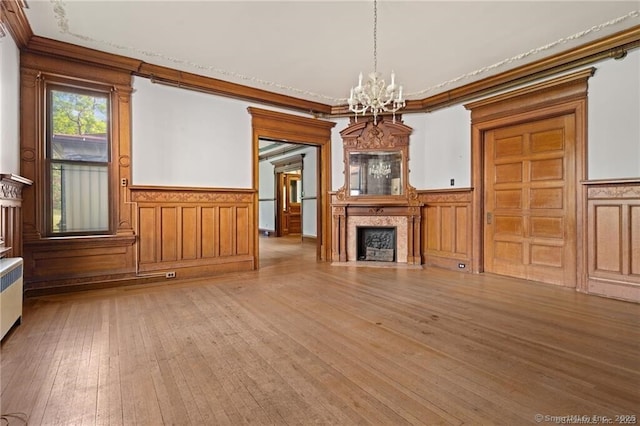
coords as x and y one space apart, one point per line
79 170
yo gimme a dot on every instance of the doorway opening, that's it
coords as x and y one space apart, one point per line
296 132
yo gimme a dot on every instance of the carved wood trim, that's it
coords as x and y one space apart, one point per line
296 129
613 190
561 89
146 194
446 196
12 14
11 186
386 135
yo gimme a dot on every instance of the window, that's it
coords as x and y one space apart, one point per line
78 161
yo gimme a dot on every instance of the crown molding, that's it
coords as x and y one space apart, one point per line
12 15
59 49
614 46
186 80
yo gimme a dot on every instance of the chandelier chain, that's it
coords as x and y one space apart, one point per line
375 36
375 96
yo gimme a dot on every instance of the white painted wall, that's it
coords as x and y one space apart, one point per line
266 190
614 119
187 138
447 153
337 154
9 106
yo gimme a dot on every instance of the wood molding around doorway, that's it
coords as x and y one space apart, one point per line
565 95
302 130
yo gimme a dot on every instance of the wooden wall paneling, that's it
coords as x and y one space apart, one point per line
242 230
608 237
76 263
190 231
71 262
446 228
30 151
462 234
148 235
194 231
209 232
226 230
169 230
634 240
613 238
121 177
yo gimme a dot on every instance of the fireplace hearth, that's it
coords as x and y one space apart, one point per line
376 244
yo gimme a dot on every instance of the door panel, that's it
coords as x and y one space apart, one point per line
529 229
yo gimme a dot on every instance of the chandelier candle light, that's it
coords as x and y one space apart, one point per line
375 96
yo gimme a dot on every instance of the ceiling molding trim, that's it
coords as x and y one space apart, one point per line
185 80
614 46
169 76
550 92
62 50
14 19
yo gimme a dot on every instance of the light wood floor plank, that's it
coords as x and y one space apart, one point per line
301 342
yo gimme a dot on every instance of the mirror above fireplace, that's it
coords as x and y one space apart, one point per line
376 197
375 161
375 173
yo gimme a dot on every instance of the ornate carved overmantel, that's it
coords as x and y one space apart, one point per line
11 214
376 191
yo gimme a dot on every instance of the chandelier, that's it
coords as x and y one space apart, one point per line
375 96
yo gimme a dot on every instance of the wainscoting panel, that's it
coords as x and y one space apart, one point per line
446 226
613 239
194 231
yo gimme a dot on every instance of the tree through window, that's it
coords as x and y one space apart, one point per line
78 146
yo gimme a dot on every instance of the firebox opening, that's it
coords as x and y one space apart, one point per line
376 243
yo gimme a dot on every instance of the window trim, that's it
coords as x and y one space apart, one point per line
86 88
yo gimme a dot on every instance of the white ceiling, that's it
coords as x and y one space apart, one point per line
315 49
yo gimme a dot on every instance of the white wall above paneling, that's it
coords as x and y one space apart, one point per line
9 106
614 119
187 138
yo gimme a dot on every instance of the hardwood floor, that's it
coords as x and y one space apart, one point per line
300 342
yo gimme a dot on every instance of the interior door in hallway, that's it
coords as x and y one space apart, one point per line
530 207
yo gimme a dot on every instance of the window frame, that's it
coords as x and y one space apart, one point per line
83 88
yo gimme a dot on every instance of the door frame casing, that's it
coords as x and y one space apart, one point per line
559 96
294 129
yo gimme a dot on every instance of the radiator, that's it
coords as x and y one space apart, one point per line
10 294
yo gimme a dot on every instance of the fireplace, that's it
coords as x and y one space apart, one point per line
376 244
372 221
349 220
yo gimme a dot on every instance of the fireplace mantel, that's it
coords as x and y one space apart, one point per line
405 217
376 192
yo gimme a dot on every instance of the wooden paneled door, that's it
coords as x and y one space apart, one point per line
289 213
530 207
